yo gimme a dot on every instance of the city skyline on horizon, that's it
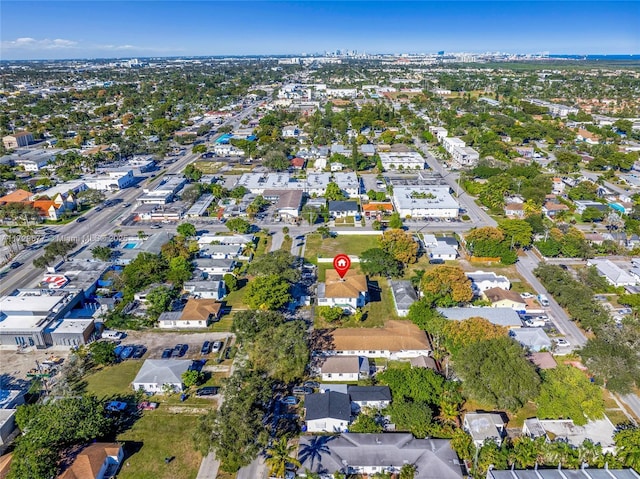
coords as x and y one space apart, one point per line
104 29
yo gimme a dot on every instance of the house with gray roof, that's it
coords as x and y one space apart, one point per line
506 317
343 368
378 397
342 209
484 427
559 473
156 375
533 339
206 289
328 412
404 295
378 453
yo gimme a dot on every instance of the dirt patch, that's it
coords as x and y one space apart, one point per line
14 366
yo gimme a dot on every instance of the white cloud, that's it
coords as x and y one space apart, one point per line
28 43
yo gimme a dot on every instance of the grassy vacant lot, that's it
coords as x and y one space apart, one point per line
155 436
114 380
329 247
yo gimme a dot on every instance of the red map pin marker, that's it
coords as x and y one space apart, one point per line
341 263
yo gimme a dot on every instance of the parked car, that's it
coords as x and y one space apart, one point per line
562 342
116 406
206 348
118 350
290 400
217 346
302 390
207 391
126 352
138 351
436 261
180 350
311 384
166 354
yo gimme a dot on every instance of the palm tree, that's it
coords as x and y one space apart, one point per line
279 455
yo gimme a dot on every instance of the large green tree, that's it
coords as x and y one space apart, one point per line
496 372
267 292
567 393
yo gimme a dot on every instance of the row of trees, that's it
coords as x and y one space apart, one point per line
276 354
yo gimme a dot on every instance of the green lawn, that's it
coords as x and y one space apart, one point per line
264 245
114 380
329 247
222 326
155 436
525 412
235 300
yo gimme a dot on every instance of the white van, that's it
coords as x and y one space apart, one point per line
110 334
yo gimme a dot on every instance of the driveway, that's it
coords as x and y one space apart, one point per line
256 470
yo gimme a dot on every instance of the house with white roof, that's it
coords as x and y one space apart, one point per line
484 280
614 275
158 375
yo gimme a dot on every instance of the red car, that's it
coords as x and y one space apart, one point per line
147 406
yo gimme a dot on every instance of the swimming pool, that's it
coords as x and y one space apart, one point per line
130 246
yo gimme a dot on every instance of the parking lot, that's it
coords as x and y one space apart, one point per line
156 342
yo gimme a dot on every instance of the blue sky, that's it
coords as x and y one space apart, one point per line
108 29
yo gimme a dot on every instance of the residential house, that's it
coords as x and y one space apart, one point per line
156 376
543 360
587 137
505 317
214 266
384 453
206 289
290 132
197 314
377 209
514 210
404 295
343 209
377 397
99 460
17 140
49 210
551 209
600 431
504 298
484 280
533 339
220 251
557 186
17 196
484 427
343 368
288 202
328 412
582 205
348 183
349 293
396 340
443 251
614 275
426 362
298 163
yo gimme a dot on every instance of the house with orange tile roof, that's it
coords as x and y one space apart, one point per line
99 460
197 313
348 293
551 209
48 209
17 196
587 137
376 208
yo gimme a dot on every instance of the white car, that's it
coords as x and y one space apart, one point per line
562 342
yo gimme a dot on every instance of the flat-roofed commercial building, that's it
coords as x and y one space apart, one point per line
424 202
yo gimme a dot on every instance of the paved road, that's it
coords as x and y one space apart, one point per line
633 402
478 216
525 266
